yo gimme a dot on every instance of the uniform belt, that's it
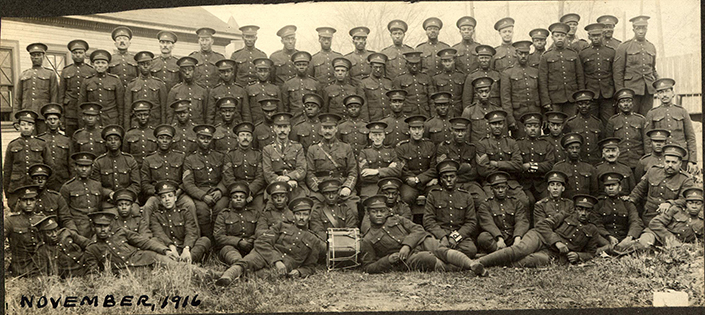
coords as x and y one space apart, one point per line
328 173
283 172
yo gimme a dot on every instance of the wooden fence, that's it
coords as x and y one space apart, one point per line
687 71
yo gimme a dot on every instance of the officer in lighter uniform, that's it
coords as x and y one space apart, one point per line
245 71
60 146
206 70
188 89
36 86
164 66
634 66
145 88
70 86
284 68
560 72
609 21
538 39
575 43
506 54
284 160
395 62
321 67
466 62
105 89
431 64
122 63
597 61
358 57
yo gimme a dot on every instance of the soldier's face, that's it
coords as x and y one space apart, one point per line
523 57
187 73
573 151
122 42
573 27
113 143
672 164
238 200
414 67
640 32
262 74
448 180
168 200
301 218
90 120
377 138
331 197
340 73
584 107
555 128
205 42
83 170
102 231
244 138
448 64
626 104
539 43
506 34
164 142
559 39
183 116
532 129
328 132
204 141
555 189
124 207
694 206
40 180
500 191
582 213
657 145
379 215
268 115
311 109
442 109
25 128
608 31
36 58
325 42
250 40
52 122
27 204
100 65
391 194
612 189
496 128
610 154
483 93
279 200
226 75
397 36
282 131
484 61
228 114
396 105
432 32
144 67
78 55
289 42
377 69
51 237
166 46
353 110
301 67
596 39
665 95
460 134
360 42
467 31
142 117
416 132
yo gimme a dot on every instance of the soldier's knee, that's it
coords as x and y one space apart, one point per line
486 242
467 247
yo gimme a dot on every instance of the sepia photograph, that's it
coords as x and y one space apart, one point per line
344 156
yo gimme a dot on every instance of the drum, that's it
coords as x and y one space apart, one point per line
343 248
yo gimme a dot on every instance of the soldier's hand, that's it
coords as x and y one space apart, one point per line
500 243
345 192
186 255
410 181
692 167
547 107
493 163
673 242
526 166
404 252
242 244
393 258
573 257
393 164
444 241
250 245
293 184
249 199
208 199
294 273
613 240
517 239
282 178
624 198
562 248
281 268
172 255
217 195
432 182
369 172
662 208
452 243
178 192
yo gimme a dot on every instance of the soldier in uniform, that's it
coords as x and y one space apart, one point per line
244 164
22 239
478 109
353 130
21 153
437 129
375 87
556 124
663 185
49 201
587 125
264 130
560 72
397 128
554 203
206 69
418 160
634 66
484 56
224 138
70 84
538 38
582 177
140 141
331 212
617 220
188 89
88 138
122 62
629 127
609 22
339 89
296 87
610 155
675 118
262 89
519 88
36 86
305 131
60 252
275 210
466 61
430 61
321 67
376 161
234 228
358 57
104 88
284 160
284 68
459 149
506 54
145 88
538 157
389 189
395 63
597 66
58 145
115 169
572 41
658 138
164 67
128 219
184 137
418 86
450 80
502 218
82 194
245 71
228 87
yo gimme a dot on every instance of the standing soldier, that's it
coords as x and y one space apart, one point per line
305 131
188 89
418 86
418 160
477 110
234 228
556 124
140 141
610 155
227 87
609 21
538 38
36 86
554 203
459 149
184 138
245 71
376 161
467 55
295 88
164 66
538 157
60 148
506 54
115 169
634 66
353 130
82 194
560 72
284 160
395 61
618 219
339 89
105 89
88 138
224 138
629 127
147 88
21 153
375 88
581 176
22 239
321 67
430 63
484 56
264 130
49 202
244 164
261 89
358 57
122 63
503 219
437 129
572 41
657 139
284 68
519 88
72 76
206 70
397 128
450 80
597 65
587 125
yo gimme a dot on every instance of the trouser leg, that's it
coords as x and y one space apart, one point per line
229 255
467 247
531 243
607 109
200 248
541 258
422 261
486 243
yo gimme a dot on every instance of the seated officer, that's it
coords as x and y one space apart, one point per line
283 160
554 203
503 218
234 229
332 212
21 237
618 219
389 188
128 219
275 210
287 246
61 251
610 163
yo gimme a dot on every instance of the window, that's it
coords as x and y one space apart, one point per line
6 83
55 61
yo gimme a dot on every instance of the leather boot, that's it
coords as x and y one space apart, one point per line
232 257
203 244
233 272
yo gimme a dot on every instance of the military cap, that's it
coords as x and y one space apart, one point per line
674 150
658 134
640 20
446 166
585 201
397 25
556 176
124 194
693 193
608 20
624 93
496 115
113 130
531 117
164 129
540 33
141 105
286 31
204 130
180 105
244 127
144 56
239 186
459 123
263 63
342 62
225 64
611 178
45 223
249 29
27 191
559 28
325 31
83 158
282 118
269 103
187 61
376 202
482 82
77 44
556 117
612 142
389 182
27 115
595 28
312 98
301 56
571 138
583 95
360 31
396 94
415 121
121 31
165 186
485 50
522 45
664 84
301 204
353 99
441 97
327 119
447 53
376 126
168 36
433 21
40 169
226 102
329 185
101 54
466 21
104 217
413 56
570 17
498 177
504 23
278 188
377 58
205 32
90 108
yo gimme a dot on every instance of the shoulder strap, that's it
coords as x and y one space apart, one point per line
330 216
320 145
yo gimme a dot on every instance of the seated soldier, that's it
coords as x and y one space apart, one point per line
376 160
82 194
389 188
176 227
554 203
418 160
502 218
287 246
566 237
126 202
234 229
61 251
21 237
244 163
618 219
49 202
333 212
275 210
610 155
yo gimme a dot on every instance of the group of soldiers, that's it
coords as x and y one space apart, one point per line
438 154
